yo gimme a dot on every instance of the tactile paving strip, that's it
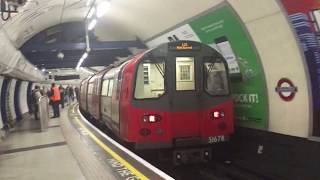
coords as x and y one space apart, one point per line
91 167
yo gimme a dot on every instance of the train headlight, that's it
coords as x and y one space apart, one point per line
151 118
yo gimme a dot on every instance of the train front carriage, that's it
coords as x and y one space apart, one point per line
178 96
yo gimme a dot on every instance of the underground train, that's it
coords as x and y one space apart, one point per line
175 95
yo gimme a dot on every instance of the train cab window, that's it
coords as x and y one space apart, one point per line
185 73
216 82
110 87
105 84
150 79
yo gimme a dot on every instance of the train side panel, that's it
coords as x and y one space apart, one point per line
83 95
127 129
94 108
90 90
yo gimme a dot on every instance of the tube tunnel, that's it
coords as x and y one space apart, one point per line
270 49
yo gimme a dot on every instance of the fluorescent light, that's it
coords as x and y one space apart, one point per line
79 63
43 69
89 2
91 12
92 24
102 8
83 57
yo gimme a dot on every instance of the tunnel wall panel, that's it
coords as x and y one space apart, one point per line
281 59
276 46
12 87
17 100
304 19
1 121
4 100
221 29
23 97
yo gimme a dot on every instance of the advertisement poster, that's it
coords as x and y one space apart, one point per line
305 19
222 30
182 33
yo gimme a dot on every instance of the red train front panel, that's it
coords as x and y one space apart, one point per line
171 98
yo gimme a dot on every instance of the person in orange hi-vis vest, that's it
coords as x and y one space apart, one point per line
55 100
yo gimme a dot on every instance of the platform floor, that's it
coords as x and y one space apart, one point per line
28 154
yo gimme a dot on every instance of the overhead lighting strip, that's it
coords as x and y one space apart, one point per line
95 12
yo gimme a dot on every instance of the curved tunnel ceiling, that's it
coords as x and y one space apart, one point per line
130 19
124 22
61 46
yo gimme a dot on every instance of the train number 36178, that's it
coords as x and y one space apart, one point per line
215 139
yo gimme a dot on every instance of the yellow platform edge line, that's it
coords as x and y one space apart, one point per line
112 153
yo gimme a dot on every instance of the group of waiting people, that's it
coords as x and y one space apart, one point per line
57 95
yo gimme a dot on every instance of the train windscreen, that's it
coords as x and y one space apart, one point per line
150 79
215 77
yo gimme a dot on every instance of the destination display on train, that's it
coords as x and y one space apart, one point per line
184 46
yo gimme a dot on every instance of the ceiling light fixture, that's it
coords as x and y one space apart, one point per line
102 8
92 24
89 2
91 12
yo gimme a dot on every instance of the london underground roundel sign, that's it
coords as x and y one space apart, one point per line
286 89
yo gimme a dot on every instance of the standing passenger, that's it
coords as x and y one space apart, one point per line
55 99
71 93
36 94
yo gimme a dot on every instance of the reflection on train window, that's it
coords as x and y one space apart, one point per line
150 79
185 73
90 88
110 87
216 82
104 91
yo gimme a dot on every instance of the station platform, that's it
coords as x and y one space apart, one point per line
70 148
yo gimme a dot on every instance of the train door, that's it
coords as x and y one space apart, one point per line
105 107
115 99
185 92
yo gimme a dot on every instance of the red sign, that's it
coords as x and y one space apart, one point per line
286 89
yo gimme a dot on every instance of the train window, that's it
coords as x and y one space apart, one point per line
216 82
110 87
150 80
104 91
185 73
146 72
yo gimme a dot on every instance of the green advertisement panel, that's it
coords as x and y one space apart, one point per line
222 29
